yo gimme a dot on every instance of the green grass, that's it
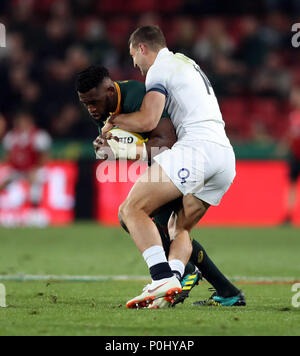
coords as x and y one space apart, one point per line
98 308
36 308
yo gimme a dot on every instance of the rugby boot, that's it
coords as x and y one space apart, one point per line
166 288
215 300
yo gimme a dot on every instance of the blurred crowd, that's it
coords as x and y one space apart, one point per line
244 48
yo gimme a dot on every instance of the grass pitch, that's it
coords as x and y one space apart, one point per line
52 307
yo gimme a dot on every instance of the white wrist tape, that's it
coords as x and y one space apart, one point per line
127 150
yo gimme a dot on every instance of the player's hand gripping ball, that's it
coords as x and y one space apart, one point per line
103 144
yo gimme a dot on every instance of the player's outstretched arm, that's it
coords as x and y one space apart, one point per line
144 120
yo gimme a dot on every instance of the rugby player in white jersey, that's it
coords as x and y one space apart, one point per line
200 167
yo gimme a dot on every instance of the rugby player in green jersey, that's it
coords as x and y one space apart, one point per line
103 97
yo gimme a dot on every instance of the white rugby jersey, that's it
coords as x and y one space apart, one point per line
190 99
39 139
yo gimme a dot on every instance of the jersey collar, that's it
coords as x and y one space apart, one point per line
162 52
118 109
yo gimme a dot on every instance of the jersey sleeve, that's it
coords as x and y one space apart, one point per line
132 95
42 141
156 80
7 142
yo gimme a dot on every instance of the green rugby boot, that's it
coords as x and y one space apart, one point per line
188 282
214 300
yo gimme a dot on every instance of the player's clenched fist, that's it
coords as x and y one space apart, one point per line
102 147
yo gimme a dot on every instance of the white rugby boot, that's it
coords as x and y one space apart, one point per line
166 289
161 303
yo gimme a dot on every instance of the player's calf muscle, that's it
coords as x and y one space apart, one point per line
193 210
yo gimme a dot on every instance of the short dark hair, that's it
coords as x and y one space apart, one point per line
150 35
90 78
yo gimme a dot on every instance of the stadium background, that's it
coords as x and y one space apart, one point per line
244 47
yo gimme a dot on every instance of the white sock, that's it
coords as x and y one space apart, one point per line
178 266
154 255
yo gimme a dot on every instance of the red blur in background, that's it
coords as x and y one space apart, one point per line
58 201
258 196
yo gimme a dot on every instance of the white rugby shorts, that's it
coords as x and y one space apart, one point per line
202 168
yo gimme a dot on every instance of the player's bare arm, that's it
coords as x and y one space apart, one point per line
163 136
144 120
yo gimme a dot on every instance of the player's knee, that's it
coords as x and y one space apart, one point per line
187 220
186 224
123 212
127 208
192 212
131 207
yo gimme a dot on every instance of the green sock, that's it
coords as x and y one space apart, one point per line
211 273
189 268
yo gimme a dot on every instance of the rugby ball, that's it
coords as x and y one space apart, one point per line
128 137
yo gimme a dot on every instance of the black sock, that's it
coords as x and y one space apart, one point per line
177 274
211 273
164 234
160 271
200 259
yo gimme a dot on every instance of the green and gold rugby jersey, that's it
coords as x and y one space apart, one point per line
130 97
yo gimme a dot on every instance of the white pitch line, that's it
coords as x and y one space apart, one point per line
30 277
263 279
